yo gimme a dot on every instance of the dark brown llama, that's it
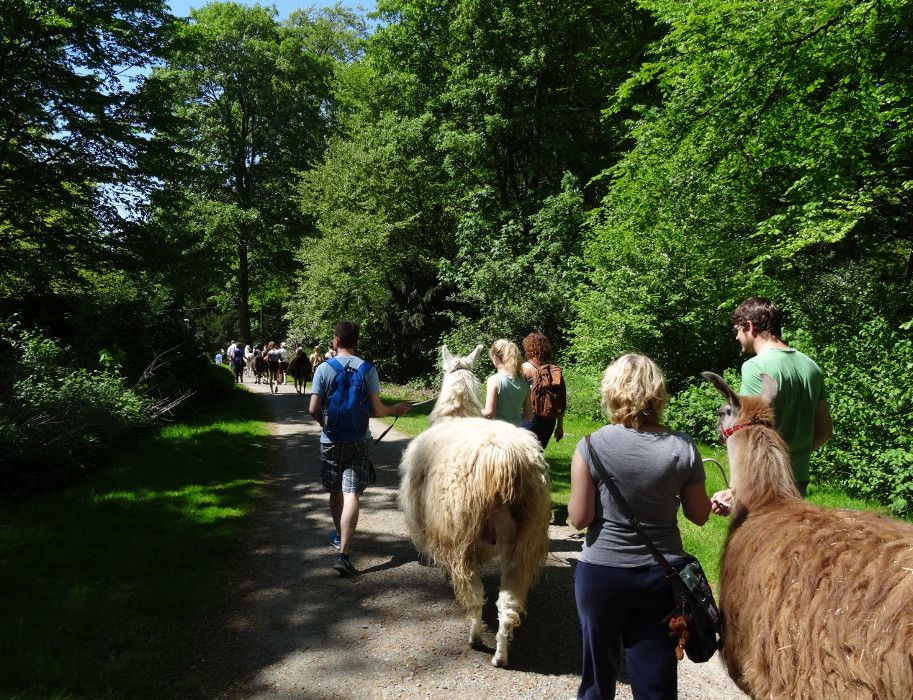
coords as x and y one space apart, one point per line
816 603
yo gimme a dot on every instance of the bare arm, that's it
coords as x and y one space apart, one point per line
559 427
823 426
379 409
491 397
315 408
581 506
695 504
528 370
527 411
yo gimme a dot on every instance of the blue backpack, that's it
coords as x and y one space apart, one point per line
345 416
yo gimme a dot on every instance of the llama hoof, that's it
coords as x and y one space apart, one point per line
499 661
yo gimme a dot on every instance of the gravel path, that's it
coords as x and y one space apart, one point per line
291 627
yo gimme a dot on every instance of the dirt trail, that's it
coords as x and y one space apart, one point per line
291 627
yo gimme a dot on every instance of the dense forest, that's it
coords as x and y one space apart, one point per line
618 175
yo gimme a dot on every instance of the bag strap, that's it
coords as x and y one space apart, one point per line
670 571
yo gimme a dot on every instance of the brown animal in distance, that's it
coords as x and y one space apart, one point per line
816 603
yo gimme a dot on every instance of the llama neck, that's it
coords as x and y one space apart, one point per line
761 468
458 399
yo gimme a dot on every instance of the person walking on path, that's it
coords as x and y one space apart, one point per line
507 394
622 593
345 391
316 358
273 364
801 412
548 391
237 363
283 362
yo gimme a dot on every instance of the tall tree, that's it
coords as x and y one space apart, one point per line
70 132
778 161
509 99
252 97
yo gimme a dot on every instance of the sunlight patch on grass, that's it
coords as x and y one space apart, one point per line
101 583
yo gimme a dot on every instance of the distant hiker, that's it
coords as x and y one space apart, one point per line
237 363
219 357
346 390
549 393
283 362
507 394
272 364
316 358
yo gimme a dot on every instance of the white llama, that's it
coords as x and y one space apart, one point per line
473 489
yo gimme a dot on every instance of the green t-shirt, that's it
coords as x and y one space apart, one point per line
800 386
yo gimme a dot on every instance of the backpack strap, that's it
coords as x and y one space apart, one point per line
336 365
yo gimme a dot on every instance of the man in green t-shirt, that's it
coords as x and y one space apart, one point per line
802 415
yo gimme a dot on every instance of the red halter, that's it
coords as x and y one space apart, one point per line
727 432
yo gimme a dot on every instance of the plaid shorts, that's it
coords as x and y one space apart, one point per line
345 466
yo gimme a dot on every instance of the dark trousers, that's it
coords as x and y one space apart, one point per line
542 427
624 608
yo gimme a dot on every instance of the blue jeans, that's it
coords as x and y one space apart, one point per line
625 607
541 427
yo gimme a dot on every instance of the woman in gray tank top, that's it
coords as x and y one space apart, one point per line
622 593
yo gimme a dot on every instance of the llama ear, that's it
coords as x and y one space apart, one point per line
447 358
474 354
722 387
768 388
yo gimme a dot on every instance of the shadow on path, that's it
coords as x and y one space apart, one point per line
291 627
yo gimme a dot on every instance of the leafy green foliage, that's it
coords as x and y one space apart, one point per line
56 417
870 392
250 95
70 133
693 410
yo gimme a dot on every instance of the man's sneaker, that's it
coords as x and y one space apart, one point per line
344 566
334 539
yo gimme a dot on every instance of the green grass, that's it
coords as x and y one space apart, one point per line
101 584
706 543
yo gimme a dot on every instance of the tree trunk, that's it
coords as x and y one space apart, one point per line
243 294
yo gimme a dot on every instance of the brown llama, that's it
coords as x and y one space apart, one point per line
473 489
816 603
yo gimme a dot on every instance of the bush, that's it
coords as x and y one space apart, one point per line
56 419
693 410
583 392
870 392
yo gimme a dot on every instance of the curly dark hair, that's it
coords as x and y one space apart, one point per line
763 314
537 347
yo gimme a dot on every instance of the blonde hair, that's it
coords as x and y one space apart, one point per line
634 391
505 355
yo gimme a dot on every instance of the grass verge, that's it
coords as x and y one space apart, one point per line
101 584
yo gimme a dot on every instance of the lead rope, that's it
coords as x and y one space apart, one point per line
396 418
720 467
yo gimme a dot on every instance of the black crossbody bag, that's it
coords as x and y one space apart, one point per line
693 597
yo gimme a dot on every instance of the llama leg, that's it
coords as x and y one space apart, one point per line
516 575
471 595
510 607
